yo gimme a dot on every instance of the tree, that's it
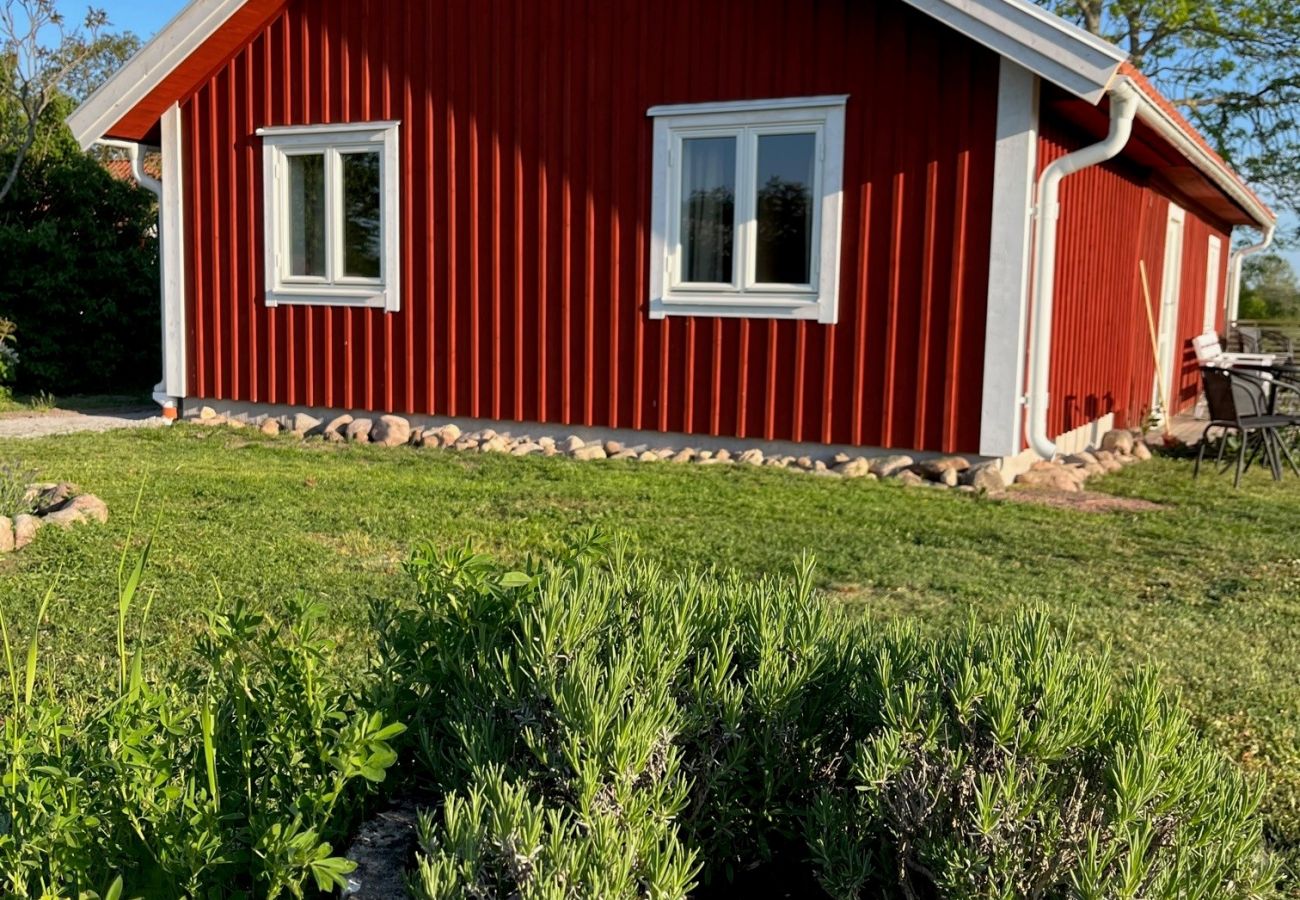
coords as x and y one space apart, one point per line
1231 66
1270 289
39 53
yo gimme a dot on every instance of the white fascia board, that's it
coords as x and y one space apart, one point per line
143 72
1154 115
1045 44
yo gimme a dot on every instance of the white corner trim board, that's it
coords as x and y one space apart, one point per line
171 220
1014 168
143 72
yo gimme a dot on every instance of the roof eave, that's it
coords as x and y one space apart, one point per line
1157 118
157 59
1045 44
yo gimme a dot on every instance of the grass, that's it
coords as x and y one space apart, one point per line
1207 588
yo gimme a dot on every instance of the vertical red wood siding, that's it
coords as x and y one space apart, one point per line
525 207
1111 220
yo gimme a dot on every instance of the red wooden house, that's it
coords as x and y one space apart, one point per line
781 220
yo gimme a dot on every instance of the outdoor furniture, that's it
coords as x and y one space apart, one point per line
1241 403
1210 352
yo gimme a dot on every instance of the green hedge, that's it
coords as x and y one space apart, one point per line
80 278
602 728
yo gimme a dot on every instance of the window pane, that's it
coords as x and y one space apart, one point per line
307 215
783 254
708 208
361 225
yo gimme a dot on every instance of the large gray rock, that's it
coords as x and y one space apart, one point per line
855 468
1118 441
270 427
304 425
752 457
1141 451
886 466
25 528
390 431
6 535
936 469
337 428
495 444
573 443
45 497
683 456
984 478
359 430
449 434
585 454
1049 478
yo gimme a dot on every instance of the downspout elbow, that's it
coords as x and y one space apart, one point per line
1123 109
136 158
1236 268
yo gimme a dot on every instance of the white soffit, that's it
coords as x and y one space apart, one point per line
1045 44
143 72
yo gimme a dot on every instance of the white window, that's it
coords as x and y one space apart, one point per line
746 214
332 228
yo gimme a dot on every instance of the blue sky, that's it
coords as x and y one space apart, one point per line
144 17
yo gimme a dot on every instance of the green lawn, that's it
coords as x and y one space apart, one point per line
1208 588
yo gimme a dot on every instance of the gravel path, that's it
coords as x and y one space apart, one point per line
62 421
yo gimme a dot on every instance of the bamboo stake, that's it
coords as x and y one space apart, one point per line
1155 352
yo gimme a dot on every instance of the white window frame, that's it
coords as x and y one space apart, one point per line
335 288
747 120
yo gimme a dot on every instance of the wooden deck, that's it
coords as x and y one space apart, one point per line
1186 427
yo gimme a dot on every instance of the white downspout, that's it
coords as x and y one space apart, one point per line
1235 270
1123 109
155 187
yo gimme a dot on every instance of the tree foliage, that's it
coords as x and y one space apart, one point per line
1270 289
80 249
39 53
1231 66
80 278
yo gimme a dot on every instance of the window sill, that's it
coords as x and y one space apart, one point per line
364 298
806 308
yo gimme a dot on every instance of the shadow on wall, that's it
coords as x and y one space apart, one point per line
1080 411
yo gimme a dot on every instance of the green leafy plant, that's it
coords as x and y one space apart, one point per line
8 356
228 778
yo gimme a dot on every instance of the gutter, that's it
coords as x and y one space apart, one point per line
169 404
1124 99
1235 270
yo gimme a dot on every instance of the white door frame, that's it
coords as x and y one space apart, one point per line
1214 261
1171 286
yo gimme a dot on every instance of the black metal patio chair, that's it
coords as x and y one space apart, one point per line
1240 403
